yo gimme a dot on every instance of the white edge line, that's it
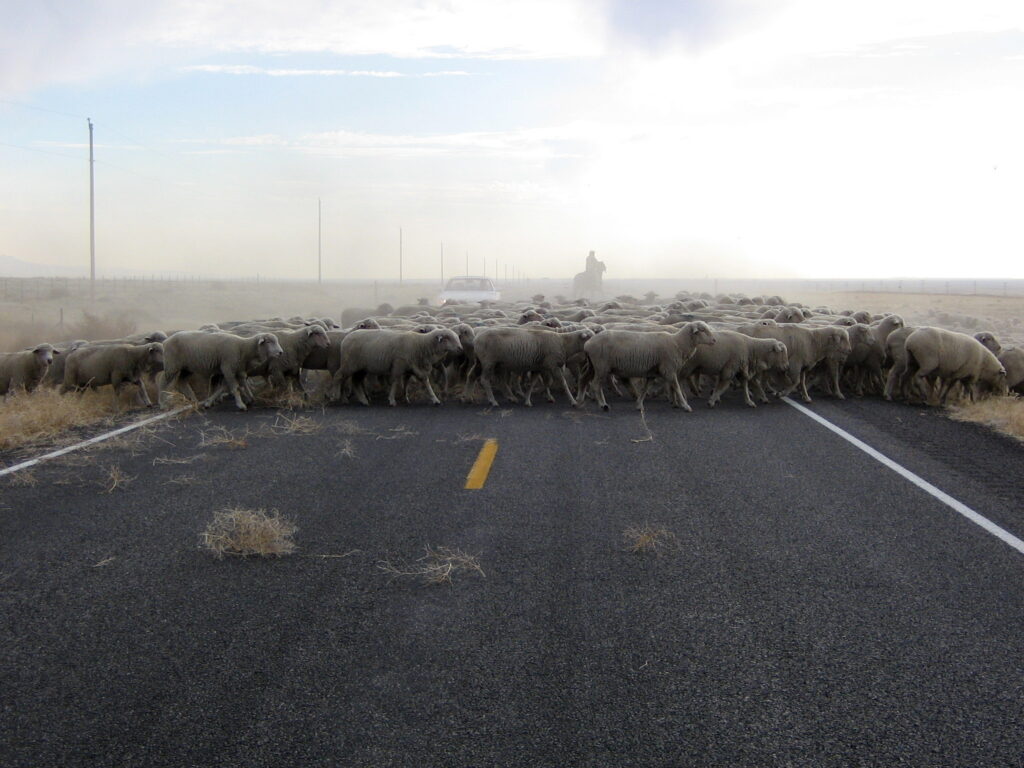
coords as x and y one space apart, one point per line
90 441
921 483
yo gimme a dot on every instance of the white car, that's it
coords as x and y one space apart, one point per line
467 290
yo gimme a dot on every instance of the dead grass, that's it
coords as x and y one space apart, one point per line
115 478
173 460
650 537
437 566
245 532
183 480
1003 414
25 479
45 415
347 450
221 437
285 424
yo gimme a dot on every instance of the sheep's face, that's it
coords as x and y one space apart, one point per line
268 346
845 322
155 357
44 354
318 336
702 333
989 342
779 357
446 341
839 340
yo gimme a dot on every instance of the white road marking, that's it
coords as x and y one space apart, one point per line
90 441
921 483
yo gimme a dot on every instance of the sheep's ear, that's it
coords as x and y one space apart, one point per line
263 340
56 351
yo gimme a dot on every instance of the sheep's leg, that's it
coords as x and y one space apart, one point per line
528 400
507 384
894 379
424 376
746 392
582 382
673 381
470 383
803 386
486 372
599 378
833 369
546 379
565 386
232 385
721 385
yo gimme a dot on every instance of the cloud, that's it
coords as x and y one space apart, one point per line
244 69
693 24
572 140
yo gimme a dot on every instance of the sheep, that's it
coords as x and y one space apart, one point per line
639 355
54 375
525 351
25 369
953 357
1012 359
989 341
113 364
393 353
896 356
223 356
283 371
735 355
806 348
864 363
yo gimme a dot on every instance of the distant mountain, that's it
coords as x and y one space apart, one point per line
12 267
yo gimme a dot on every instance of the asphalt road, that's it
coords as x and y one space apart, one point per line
819 610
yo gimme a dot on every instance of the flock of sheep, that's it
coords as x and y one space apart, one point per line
685 347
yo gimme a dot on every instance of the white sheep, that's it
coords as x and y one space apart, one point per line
221 358
25 369
954 357
113 364
395 354
640 355
522 351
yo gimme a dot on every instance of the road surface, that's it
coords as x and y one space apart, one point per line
819 609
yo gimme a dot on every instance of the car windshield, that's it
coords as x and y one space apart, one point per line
470 284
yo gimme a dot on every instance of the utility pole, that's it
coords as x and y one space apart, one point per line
442 263
92 219
319 243
399 255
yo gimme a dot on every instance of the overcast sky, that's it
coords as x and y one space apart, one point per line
816 138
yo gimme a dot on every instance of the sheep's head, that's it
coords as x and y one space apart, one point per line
839 340
368 324
779 358
989 342
845 322
155 356
268 346
701 333
318 336
44 354
445 340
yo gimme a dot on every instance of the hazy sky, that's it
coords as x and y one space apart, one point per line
818 138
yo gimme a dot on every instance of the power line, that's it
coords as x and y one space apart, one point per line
41 109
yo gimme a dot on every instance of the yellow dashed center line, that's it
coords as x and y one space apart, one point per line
482 466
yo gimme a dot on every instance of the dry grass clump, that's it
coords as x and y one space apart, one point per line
650 537
115 478
217 437
43 415
1003 414
25 479
295 425
437 566
244 532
